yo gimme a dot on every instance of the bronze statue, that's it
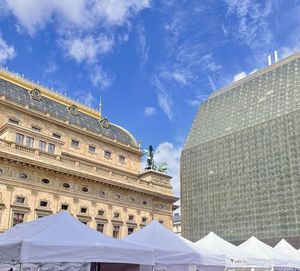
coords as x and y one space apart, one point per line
151 164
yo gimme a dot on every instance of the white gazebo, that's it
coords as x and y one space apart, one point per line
60 238
173 252
235 257
279 260
285 248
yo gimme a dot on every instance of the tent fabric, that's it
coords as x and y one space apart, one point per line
170 249
62 238
259 248
234 256
286 249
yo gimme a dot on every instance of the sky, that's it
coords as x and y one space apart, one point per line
152 62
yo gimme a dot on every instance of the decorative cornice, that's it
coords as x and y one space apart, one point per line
23 208
43 211
83 176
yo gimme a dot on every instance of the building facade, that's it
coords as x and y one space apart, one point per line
177 223
240 167
56 154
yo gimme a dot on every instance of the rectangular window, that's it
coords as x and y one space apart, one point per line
107 154
130 230
116 215
75 143
43 203
64 207
29 142
144 219
83 210
100 213
19 139
42 145
20 200
51 148
13 121
92 149
18 218
100 228
122 159
58 136
130 217
116 231
35 128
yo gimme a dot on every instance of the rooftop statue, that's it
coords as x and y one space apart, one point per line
151 164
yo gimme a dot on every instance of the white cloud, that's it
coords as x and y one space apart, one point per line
149 111
78 24
166 103
7 52
101 78
142 48
170 154
117 12
209 64
33 15
252 27
242 75
180 77
212 83
87 48
51 68
241 8
164 99
88 99
239 76
289 50
197 100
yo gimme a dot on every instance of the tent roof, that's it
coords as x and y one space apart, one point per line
170 248
258 247
287 249
62 238
234 256
215 243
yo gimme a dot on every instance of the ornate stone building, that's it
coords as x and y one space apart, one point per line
56 154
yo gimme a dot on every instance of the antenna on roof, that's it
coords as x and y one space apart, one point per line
100 108
276 56
269 60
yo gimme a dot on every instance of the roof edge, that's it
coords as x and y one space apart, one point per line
249 77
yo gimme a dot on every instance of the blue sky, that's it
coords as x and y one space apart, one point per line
152 62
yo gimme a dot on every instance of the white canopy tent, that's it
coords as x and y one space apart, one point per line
62 238
285 248
172 252
234 256
259 248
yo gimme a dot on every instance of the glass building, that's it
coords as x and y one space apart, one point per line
240 166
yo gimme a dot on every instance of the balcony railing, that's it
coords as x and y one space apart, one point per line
24 148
